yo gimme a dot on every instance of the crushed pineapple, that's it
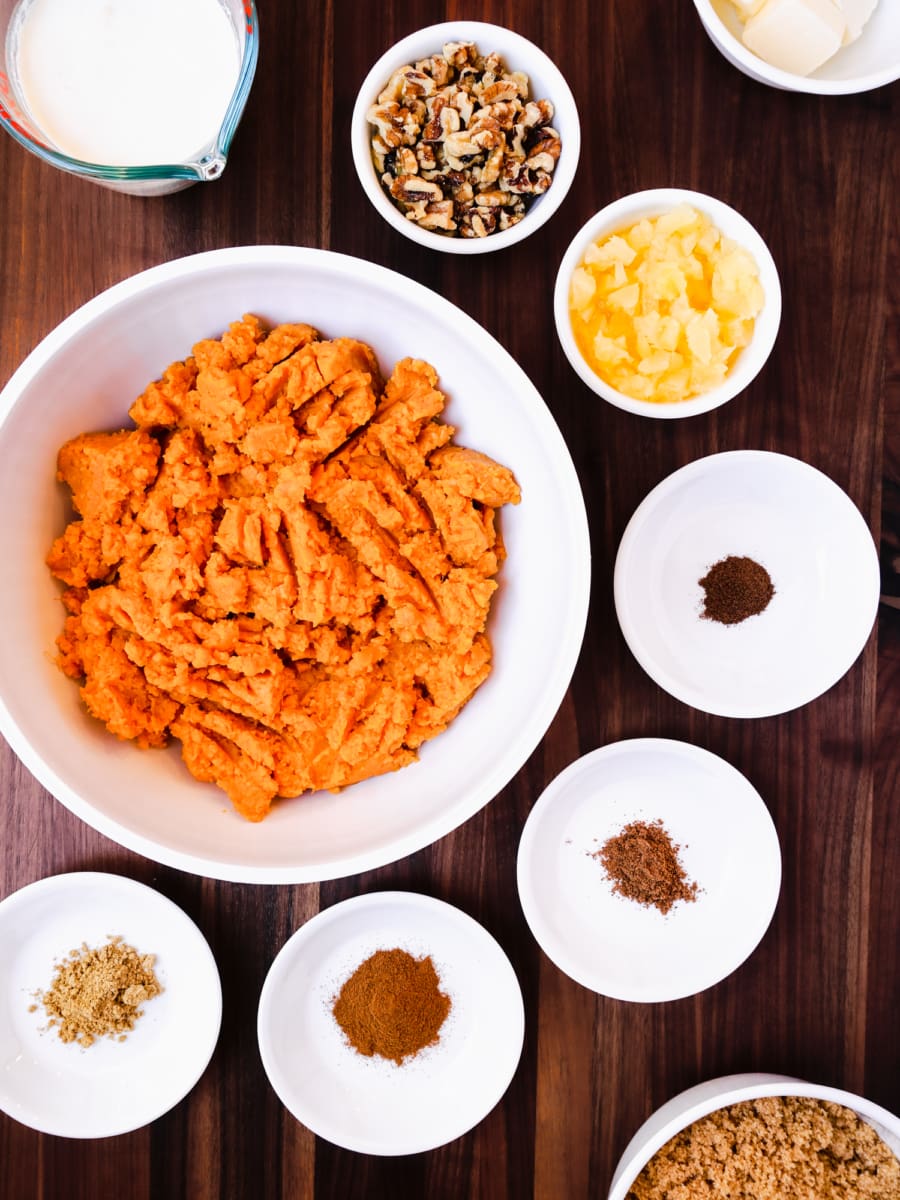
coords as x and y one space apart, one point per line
661 310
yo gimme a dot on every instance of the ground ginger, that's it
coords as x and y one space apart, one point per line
98 992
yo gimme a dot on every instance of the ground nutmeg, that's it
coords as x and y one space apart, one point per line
735 588
642 862
392 1005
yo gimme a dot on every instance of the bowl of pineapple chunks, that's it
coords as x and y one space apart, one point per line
667 303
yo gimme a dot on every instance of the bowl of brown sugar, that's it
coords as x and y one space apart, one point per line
390 1023
649 870
754 1135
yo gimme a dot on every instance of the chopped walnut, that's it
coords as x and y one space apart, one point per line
412 190
458 144
438 216
537 112
406 161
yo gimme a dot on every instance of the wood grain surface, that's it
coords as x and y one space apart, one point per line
819 998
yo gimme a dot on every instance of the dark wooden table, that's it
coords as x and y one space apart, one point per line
820 996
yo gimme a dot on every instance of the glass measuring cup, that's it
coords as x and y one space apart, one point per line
151 179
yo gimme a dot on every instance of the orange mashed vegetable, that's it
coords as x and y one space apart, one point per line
287 565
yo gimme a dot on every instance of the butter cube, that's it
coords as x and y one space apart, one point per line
795 35
855 13
747 8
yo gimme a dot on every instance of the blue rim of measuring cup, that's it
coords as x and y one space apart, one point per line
209 166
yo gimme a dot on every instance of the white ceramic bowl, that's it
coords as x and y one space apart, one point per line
729 848
689 1106
625 212
85 375
110 1087
370 1104
518 54
794 521
872 61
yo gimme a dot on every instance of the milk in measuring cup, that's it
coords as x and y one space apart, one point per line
126 82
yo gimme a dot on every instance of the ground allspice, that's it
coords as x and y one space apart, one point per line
392 1005
99 992
642 862
735 588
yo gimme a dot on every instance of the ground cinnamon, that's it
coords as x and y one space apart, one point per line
392 1005
735 588
642 862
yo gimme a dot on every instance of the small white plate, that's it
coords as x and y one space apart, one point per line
111 1087
794 521
372 1105
616 946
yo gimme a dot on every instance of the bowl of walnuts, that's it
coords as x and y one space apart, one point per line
465 137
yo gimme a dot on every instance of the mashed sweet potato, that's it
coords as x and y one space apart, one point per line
287 565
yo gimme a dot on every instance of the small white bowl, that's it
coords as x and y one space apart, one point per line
794 521
729 848
689 1106
372 1105
872 61
518 54
627 211
110 1087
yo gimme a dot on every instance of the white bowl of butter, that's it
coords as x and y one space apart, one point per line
826 47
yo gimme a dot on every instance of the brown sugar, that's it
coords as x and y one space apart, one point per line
642 862
392 1005
99 992
774 1148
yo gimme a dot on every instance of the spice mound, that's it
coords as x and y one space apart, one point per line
642 862
287 565
735 588
392 1005
458 144
98 992
780 1148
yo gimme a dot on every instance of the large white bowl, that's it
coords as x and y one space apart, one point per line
518 54
627 211
85 375
689 1106
870 62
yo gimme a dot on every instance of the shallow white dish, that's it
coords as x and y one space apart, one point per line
795 522
85 375
110 1087
696 1102
872 61
627 211
518 54
614 945
369 1104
